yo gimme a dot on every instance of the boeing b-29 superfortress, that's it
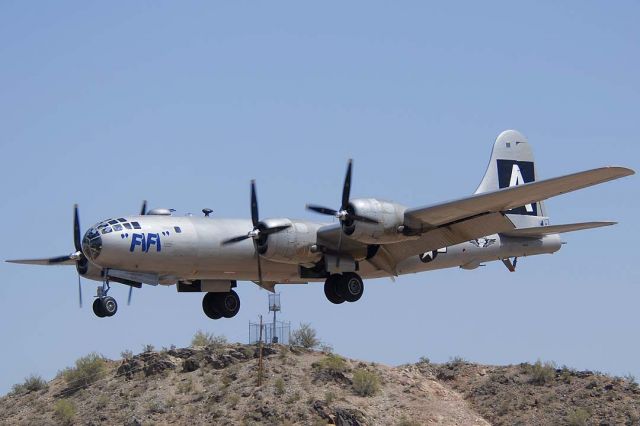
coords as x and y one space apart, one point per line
503 220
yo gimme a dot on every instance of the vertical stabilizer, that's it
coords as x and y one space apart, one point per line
511 164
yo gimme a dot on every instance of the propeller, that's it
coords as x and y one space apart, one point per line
346 214
78 256
260 230
143 210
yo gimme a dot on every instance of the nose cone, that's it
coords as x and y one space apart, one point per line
92 244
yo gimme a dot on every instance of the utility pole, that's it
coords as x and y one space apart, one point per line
260 355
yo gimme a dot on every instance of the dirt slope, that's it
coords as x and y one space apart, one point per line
218 385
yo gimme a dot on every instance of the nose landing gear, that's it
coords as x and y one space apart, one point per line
346 287
104 306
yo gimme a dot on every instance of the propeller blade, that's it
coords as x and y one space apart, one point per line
129 297
79 292
321 210
143 210
338 251
76 229
346 188
255 246
235 239
363 218
254 205
274 229
59 259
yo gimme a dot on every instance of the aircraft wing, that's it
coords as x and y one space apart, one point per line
425 218
457 221
60 260
541 231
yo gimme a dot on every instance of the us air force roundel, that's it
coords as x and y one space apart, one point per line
514 173
431 255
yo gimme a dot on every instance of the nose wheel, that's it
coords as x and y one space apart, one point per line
347 287
104 306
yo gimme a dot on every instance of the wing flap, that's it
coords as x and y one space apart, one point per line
429 217
541 231
476 227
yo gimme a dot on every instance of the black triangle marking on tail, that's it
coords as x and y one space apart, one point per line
514 173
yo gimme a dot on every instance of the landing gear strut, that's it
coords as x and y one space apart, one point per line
104 306
218 305
346 287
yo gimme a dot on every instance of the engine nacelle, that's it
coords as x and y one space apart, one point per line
293 245
89 270
389 215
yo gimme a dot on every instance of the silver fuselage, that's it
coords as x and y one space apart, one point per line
176 248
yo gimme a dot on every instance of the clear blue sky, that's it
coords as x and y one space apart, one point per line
184 103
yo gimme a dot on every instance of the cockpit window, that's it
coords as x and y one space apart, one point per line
113 222
136 225
106 230
102 225
127 225
177 229
121 219
117 227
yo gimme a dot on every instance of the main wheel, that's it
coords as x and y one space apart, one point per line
97 308
228 304
350 287
330 289
209 306
109 306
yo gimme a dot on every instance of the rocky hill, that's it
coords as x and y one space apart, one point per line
218 384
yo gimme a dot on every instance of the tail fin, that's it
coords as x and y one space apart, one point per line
511 164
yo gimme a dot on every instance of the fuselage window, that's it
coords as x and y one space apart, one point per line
126 225
106 230
177 229
117 227
113 222
122 219
135 225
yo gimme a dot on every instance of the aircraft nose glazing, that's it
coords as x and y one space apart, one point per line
92 243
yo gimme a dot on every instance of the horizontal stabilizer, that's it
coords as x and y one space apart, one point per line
540 231
60 260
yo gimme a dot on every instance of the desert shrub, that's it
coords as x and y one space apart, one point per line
456 361
64 411
326 348
578 417
31 384
148 348
305 336
333 364
126 354
202 338
404 421
329 397
87 370
157 407
365 383
234 400
541 373
279 386
424 360
186 386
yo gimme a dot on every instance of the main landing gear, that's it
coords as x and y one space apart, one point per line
104 306
346 287
218 305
